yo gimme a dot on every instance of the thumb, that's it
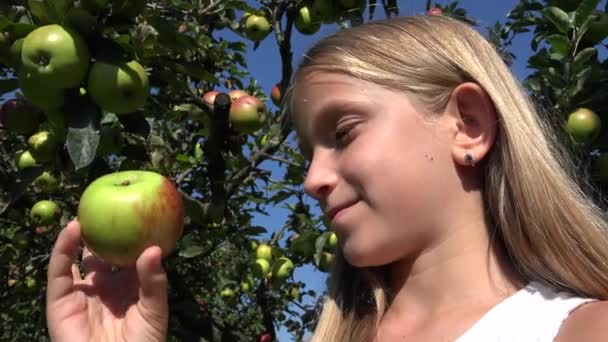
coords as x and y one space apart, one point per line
153 286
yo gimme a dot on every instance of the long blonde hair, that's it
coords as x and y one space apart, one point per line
549 227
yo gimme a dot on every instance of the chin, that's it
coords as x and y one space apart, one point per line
361 258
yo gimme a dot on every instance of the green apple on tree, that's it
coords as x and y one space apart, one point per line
20 116
583 125
257 27
123 213
25 160
261 268
325 261
264 251
118 88
42 146
305 23
38 93
44 212
56 56
46 182
247 114
247 284
332 241
227 293
282 268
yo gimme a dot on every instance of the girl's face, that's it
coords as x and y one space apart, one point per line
381 169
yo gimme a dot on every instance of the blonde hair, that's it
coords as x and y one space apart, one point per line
550 229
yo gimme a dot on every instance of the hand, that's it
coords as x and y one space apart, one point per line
125 305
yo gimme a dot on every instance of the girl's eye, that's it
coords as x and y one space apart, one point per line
343 135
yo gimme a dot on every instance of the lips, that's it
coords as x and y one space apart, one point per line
331 213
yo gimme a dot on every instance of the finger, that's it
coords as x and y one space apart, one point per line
59 275
92 264
76 273
153 285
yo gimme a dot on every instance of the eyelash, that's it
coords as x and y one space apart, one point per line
343 135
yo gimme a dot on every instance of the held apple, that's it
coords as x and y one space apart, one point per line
25 160
56 56
276 95
264 251
583 125
119 89
20 116
38 93
247 114
123 213
44 212
257 27
305 23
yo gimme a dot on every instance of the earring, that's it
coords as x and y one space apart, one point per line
468 158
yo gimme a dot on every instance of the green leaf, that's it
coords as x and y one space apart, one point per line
191 251
558 17
560 43
584 10
82 144
583 57
254 230
49 11
194 209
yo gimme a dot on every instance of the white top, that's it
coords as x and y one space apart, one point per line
532 314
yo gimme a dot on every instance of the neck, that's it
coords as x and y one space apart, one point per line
460 274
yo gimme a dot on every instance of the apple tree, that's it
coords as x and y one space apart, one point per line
156 85
92 87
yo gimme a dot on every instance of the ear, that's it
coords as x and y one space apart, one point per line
473 122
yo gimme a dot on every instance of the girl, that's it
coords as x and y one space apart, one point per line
457 216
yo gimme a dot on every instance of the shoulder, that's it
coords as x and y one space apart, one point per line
586 323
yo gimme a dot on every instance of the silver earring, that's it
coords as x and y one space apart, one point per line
468 158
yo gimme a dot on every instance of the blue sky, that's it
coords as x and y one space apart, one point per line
265 66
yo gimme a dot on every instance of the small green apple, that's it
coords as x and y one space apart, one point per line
325 261
44 212
583 125
247 114
282 268
123 213
25 160
305 23
42 146
332 241
55 56
20 116
264 251
247 284
227 293
38 93
257 27
261 268
46 182
119 88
